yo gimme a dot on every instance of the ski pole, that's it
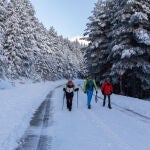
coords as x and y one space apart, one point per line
96 99
100 97
77 99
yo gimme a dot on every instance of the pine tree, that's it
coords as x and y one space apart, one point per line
13 42
3 18
130 44
98 35
79 61
31 50
119 34
56 46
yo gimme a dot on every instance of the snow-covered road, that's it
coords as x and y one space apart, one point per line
36 137
99 128
125 127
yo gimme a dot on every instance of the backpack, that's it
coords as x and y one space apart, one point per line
90 85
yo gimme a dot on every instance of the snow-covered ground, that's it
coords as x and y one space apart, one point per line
18 102
100 128
125 127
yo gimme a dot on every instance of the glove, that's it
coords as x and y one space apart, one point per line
96 92
77 89
64 89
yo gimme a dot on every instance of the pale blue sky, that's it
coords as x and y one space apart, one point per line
69 17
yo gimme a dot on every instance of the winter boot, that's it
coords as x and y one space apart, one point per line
109 106
89 107
70 108
103 104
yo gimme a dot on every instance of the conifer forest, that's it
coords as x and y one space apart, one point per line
118 32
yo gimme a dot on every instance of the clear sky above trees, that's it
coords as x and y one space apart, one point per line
69 17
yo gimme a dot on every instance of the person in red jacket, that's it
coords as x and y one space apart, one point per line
107 90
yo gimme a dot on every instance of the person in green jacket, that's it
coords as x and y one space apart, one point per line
89 86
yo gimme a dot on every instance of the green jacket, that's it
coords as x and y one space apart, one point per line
87 87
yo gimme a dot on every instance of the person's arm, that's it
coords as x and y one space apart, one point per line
64 89
75 89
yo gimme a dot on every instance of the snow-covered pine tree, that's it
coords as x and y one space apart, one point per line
42 51
68 59
66 55
98 34
80 65
29 33
3 17
26 15
56 48
31 50
130 44
12 41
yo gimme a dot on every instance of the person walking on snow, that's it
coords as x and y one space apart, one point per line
107 90
89 86
69 90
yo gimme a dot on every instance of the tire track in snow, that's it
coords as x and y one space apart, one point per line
132 113
36 137
127 111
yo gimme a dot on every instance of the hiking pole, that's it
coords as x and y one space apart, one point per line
100 97
96 99
63 100
77 99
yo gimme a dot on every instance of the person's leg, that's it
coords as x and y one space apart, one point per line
67 101
109 103
104 100
89 95
70 102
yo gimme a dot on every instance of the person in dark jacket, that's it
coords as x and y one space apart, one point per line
69 89
107 90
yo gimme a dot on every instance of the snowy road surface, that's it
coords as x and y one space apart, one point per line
36 136
125 127
99 128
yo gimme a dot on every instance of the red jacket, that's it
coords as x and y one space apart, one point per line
107 88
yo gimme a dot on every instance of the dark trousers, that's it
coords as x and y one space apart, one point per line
109 103
69 102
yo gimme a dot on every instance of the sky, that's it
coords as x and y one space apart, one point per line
68 17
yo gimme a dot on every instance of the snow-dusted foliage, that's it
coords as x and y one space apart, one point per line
3 16
126 51
30 50
142 36
97 31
